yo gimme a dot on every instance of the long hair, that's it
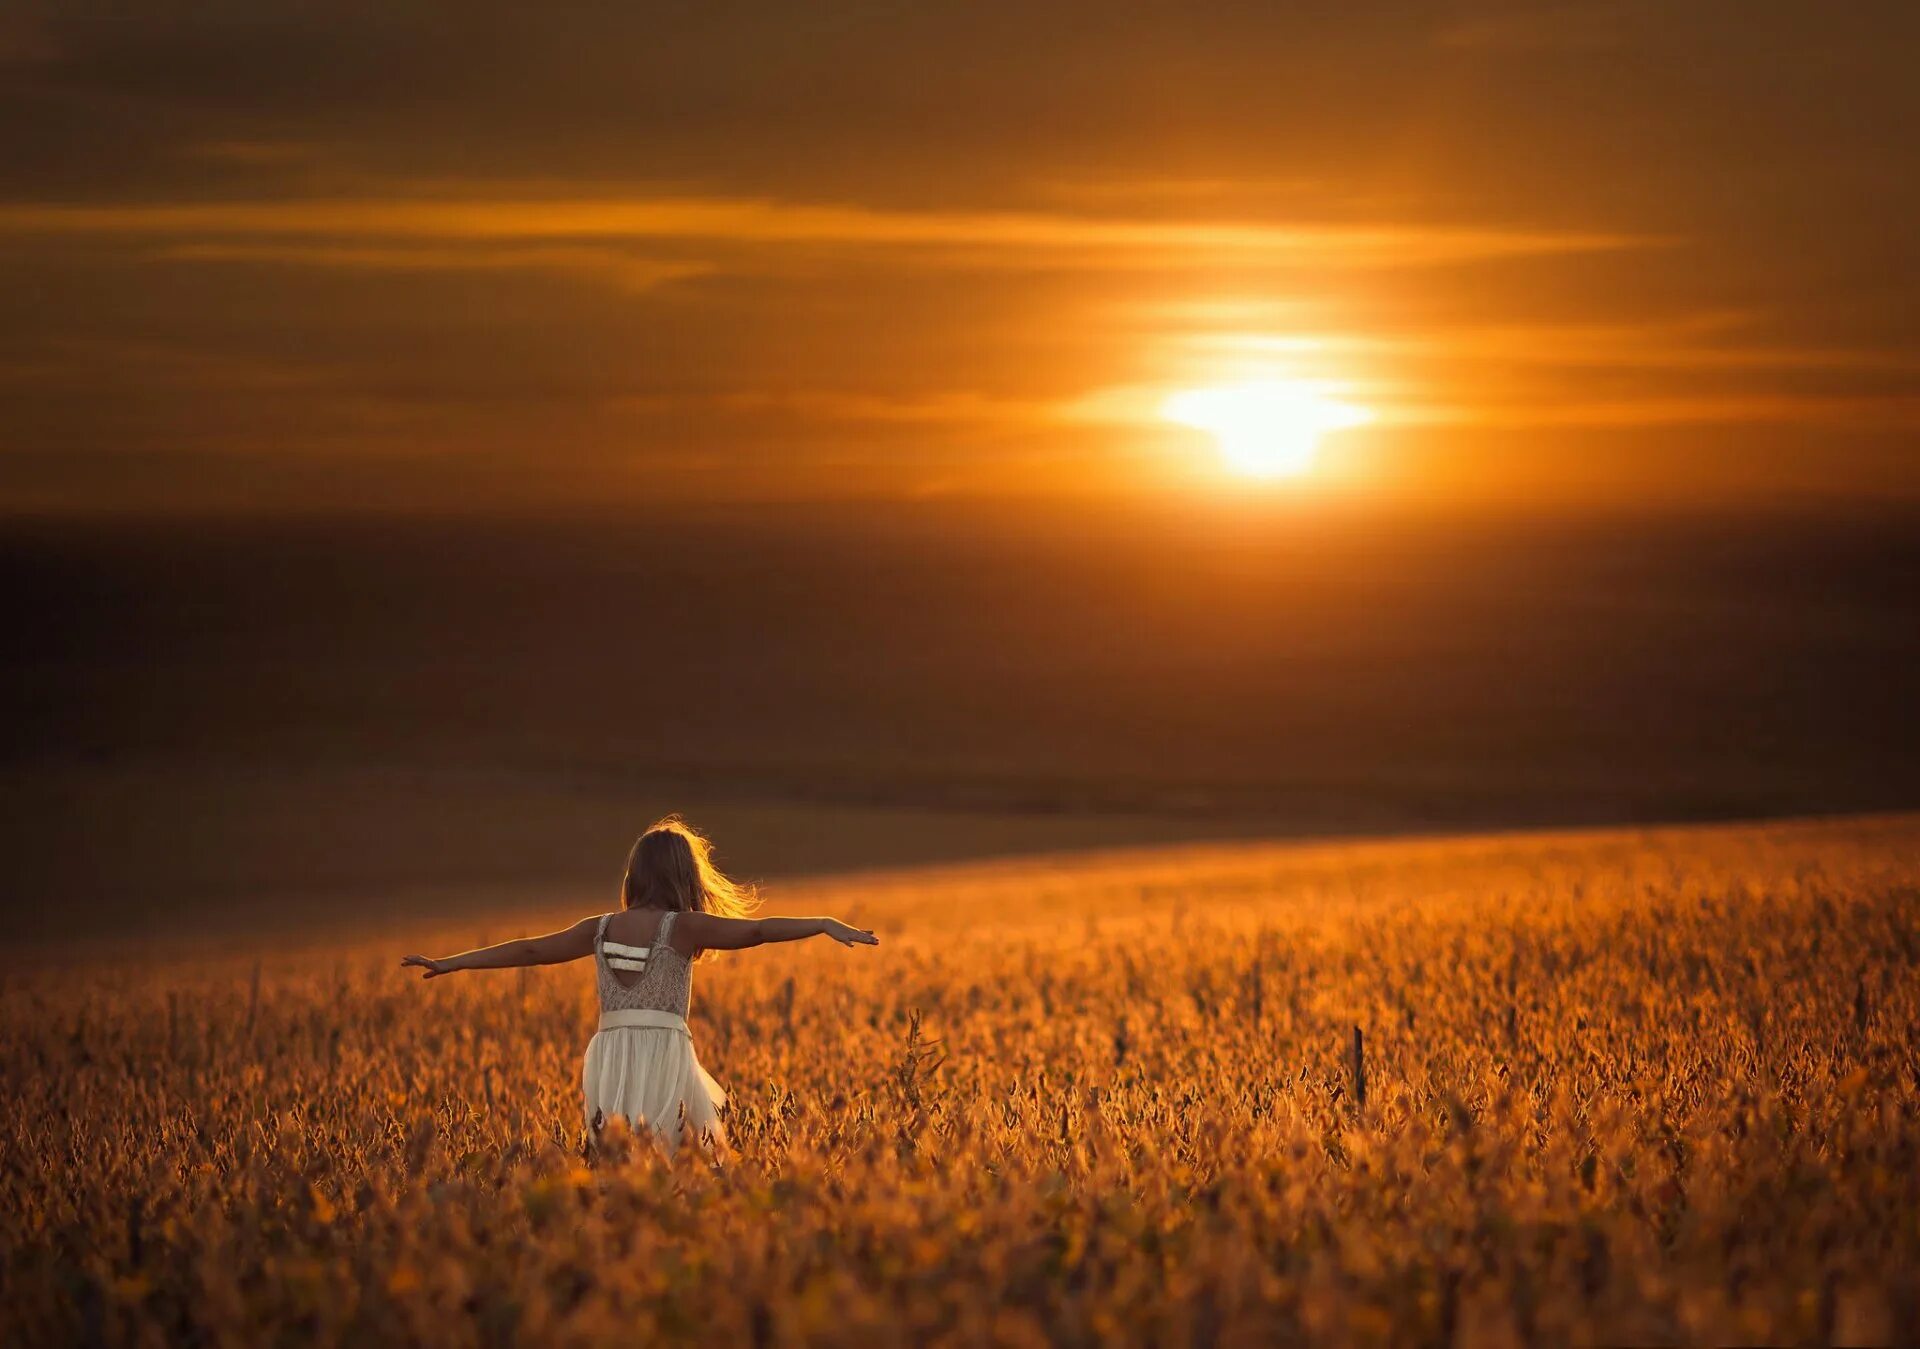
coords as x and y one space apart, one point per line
671 868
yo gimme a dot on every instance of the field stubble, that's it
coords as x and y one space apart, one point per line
1649 1086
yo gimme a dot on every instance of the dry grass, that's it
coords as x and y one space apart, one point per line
1648 1087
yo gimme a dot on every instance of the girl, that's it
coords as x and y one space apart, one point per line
676 905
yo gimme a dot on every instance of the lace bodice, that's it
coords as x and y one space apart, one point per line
665 983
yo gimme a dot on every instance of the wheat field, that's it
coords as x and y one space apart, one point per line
1651 1086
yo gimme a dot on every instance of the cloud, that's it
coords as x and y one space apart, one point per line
1692 343
986 237
1877 413
837 407
82 364
629 272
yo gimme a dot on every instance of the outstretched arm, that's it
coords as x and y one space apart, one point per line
708 932
556 948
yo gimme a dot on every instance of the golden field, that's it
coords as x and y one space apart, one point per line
1649 1086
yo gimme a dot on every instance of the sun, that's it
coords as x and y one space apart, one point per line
1267 428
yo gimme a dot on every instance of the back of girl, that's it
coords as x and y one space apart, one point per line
676 907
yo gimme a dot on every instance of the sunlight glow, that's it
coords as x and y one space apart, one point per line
1265 429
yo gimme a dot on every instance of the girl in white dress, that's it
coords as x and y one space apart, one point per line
676 906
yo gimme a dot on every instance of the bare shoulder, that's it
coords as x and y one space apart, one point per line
692 930
630 927
583 932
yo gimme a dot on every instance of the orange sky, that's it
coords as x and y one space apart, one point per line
255 256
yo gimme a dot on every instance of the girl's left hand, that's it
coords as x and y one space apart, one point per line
434 968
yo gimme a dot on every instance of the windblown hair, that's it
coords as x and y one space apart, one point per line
671 867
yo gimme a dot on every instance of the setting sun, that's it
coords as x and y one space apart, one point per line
1267 429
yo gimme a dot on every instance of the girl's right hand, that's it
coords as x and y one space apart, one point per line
849 936
434 968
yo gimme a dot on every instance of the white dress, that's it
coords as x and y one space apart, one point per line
641 1064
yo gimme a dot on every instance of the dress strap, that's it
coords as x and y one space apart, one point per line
664 933
619 955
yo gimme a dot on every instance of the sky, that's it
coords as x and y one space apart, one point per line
269 256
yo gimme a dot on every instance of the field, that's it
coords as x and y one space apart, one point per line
1647 1086
286 716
